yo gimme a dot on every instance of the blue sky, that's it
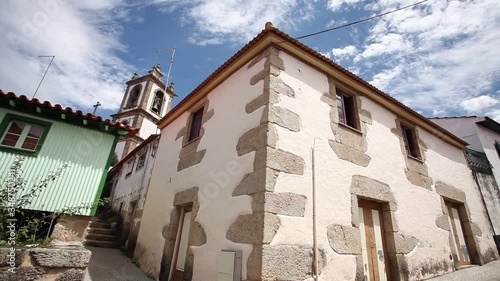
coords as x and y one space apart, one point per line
441 58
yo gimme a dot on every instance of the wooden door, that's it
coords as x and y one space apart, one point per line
182 245
374 253
457 231
133 207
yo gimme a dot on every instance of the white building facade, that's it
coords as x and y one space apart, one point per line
483 154
236 193
482 134
130 181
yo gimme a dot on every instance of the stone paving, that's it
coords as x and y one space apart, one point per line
108 264
487 272
112 265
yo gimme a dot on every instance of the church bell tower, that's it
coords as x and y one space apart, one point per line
146 101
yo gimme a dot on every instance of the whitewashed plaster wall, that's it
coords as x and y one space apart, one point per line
488 138
218 208
464 128
135 186
147 128
119 149
418 207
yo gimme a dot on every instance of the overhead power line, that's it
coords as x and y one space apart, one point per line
361 20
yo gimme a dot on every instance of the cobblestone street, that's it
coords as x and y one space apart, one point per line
488 272
112 265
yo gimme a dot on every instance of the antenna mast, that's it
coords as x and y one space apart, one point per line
170 66
170 69
43 77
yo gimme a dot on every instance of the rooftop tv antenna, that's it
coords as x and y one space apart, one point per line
171 64
43 77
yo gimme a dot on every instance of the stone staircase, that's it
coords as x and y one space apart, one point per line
99 235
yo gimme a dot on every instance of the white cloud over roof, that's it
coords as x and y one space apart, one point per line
84 38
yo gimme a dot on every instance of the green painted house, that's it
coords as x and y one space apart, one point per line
49 137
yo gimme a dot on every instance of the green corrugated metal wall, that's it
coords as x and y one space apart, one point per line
85 151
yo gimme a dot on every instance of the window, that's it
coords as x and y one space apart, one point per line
133 97
194 131
497 146
153 150
130 167
23 135
411 144
140 161
157 103
346 106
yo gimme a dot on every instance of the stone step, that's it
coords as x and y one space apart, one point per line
102 244
105 231
98 224
100 237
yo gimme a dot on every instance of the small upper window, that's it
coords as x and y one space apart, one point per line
26 136
157 102
194 131
411 143
140 161
153 150
497 146
346 106
133 97
130 167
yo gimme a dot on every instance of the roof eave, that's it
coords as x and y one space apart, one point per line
274 37
490 124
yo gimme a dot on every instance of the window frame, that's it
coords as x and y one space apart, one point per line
141 160
349 110
6 123
190 137
154 150
411 142
130 168
497 147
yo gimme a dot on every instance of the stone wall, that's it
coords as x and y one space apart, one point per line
71 228
58 262
367 162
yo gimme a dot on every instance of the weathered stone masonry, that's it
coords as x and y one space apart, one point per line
189 154
266 262
349 144
346 240
416 170
197 235
54 263
471 230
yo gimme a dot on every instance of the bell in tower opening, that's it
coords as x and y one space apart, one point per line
158 102
145 102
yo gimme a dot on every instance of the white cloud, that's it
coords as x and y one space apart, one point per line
434 56
383 79
494 114
387 44
86 68
220 21
479 104
340 53
334 5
